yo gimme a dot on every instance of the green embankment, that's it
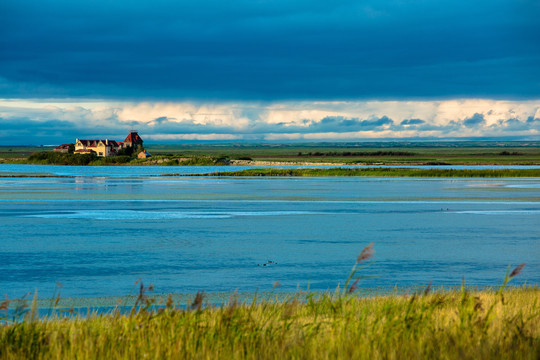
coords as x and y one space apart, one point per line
382 172
448 325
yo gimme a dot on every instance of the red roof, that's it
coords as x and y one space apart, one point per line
133 138
89 143
62 147
94 143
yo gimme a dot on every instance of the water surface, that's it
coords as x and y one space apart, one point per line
99 232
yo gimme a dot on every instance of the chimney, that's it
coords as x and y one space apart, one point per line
107 142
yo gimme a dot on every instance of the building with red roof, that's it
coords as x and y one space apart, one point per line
106 147
133 139
64 148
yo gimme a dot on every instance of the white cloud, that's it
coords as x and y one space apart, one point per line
169 121
168 137
206 114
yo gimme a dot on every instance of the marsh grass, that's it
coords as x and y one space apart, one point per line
457 324
381 172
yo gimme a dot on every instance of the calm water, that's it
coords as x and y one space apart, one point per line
99 232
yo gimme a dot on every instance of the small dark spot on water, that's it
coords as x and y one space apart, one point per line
268 263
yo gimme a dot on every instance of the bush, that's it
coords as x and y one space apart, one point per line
127 151
55 158
121 159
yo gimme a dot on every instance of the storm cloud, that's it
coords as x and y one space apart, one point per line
474 121
275 70
243 50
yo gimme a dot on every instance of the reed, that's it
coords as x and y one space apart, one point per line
454 325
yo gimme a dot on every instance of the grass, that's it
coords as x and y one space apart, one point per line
382 172
452 325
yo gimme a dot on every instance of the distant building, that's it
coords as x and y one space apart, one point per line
99 147
144 155
64 148
105 147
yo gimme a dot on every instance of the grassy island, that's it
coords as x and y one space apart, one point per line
443 324
381 172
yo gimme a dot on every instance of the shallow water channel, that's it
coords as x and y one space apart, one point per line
99 231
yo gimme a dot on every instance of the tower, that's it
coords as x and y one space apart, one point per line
133 139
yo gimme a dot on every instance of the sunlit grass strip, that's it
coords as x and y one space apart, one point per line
453 325
382 172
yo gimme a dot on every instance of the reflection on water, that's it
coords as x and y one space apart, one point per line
156 215
98 236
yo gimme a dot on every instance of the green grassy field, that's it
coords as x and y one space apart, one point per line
21 152
449 325
430 153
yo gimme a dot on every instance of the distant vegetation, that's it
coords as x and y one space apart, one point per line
57 158
204 161
357 153
379 153
419 153
382 172
508 153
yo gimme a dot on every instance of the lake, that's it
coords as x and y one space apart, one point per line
102 229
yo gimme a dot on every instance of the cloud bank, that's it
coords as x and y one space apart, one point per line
279 50
51 122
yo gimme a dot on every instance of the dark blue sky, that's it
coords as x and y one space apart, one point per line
263 70
270 50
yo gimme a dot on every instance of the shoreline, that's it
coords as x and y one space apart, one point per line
221 297
61 305
373 172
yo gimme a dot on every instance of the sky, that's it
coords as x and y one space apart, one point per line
263 70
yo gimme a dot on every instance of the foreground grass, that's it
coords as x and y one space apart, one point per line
453 325
382 172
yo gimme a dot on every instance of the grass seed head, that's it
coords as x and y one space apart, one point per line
354 286
366 253
517 270
428 288
197 302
